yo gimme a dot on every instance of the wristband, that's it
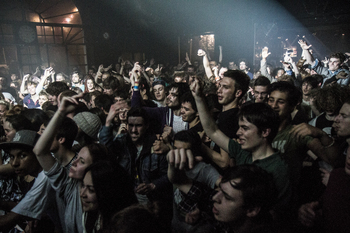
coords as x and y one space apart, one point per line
136 88
217 78
330 144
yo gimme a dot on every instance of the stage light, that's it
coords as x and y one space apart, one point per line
68 20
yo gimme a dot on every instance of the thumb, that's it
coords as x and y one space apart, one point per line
198 158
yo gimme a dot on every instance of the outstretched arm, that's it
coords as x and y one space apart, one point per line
42 147
306 53
209 125
208 71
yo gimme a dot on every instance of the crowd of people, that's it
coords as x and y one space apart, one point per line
197 147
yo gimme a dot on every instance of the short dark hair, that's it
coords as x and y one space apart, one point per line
256 185
19 122
111 83
182 88
68 130
262 116
262 81
138 112
293 93
103 101
191 137
341 57
241 79
312 80
56 88
188 98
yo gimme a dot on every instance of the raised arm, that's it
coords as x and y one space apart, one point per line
210 128
208 71
306 53
42 147
263 64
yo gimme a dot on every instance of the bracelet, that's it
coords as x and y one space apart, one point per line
330 144
136 88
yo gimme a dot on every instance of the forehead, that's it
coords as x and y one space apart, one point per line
174 90
334 59
279 95
182 145
88 178
260 88
85 154
187 105
159 86
242 63
345 109
243 122
227 81
135 120
228 188
17 151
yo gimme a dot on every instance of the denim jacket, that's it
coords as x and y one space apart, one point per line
147 168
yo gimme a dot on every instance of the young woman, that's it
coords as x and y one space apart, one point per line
105 190
90 84
67 182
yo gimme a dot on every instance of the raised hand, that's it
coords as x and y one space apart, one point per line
201 53
265 53
114 111
69 104
304 45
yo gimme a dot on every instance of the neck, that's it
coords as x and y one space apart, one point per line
64 155
306 98
233 104
194 122
177 112
285 123
263 151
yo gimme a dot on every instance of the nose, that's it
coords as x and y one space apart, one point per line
15 162
273 104
217 197
337 118
239 132
82 191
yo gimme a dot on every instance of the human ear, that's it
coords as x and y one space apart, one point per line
239 93
266 132
252 212
61 140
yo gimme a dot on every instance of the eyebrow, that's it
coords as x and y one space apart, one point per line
225 193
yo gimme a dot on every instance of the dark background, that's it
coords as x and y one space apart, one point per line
153 27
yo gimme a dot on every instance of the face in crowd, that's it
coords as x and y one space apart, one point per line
136 128
173 98
159 92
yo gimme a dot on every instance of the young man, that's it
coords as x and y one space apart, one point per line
165 116
260 89
32 99
41 197
246 195
243 66
189 112
331 213
54 89
231 90
309 83
294 141
24 163
136 154
257 128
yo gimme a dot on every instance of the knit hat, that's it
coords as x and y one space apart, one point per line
23 138
89 123
158 82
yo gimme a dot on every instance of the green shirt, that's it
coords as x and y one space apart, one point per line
293 150
273 164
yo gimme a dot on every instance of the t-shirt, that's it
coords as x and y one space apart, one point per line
273 164
293 150
179 124
36 200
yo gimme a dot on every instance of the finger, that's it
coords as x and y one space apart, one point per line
157 136
176 158
183 159
190 158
